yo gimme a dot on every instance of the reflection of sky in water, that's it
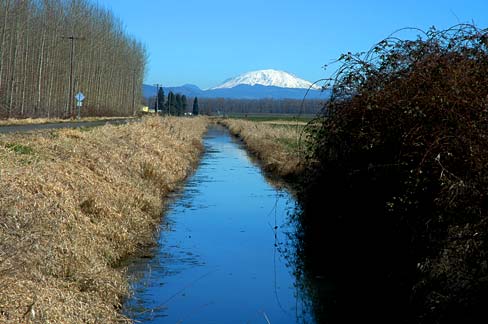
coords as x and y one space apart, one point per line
218 261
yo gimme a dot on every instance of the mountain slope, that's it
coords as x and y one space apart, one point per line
268 78
263 84
239 92
188 90
244 91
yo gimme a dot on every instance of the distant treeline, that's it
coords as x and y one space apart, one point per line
38 42
223 106
211 106
174 104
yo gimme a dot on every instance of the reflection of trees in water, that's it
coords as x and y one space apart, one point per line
285 246
308 282
344 282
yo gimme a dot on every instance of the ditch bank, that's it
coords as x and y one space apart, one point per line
276 146
74 204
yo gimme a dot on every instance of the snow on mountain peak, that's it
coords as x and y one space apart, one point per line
267 78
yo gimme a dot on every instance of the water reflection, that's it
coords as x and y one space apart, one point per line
223 249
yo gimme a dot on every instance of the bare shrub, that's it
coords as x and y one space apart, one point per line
404 137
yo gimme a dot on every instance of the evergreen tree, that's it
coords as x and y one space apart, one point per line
179 105
155 105
160 100
171 103
195 107
184 103
166 104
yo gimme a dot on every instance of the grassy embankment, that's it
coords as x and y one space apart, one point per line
74 203
276 143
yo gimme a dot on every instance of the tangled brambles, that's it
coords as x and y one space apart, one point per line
74 203
399 170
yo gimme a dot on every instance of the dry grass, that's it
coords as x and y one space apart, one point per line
275 144
284 122
28 121
73 204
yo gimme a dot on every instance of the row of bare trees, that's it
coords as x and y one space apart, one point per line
225 106
51 49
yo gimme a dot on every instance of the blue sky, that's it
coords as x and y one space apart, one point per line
204 42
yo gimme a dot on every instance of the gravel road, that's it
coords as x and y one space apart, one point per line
34 127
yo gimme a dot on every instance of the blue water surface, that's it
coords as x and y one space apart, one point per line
221 256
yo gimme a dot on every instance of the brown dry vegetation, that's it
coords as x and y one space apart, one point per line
29 121
275 145
398 179
75 203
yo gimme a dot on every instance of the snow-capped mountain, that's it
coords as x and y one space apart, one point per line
268 78
252 85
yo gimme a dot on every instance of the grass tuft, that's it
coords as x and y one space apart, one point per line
19 148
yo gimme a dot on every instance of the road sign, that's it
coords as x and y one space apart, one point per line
79 96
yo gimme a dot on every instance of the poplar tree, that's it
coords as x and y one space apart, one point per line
184 104
171 103
195 107
178 104
38 42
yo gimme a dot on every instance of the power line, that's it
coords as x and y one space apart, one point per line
70 109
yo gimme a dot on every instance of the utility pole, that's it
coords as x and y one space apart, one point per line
134 93
70 109
157 97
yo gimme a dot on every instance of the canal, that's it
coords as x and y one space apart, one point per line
224 248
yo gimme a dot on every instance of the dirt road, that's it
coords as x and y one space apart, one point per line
33 127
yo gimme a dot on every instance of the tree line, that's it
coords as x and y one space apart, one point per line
51 49
174 104
224 106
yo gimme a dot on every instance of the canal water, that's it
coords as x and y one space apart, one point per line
222 254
